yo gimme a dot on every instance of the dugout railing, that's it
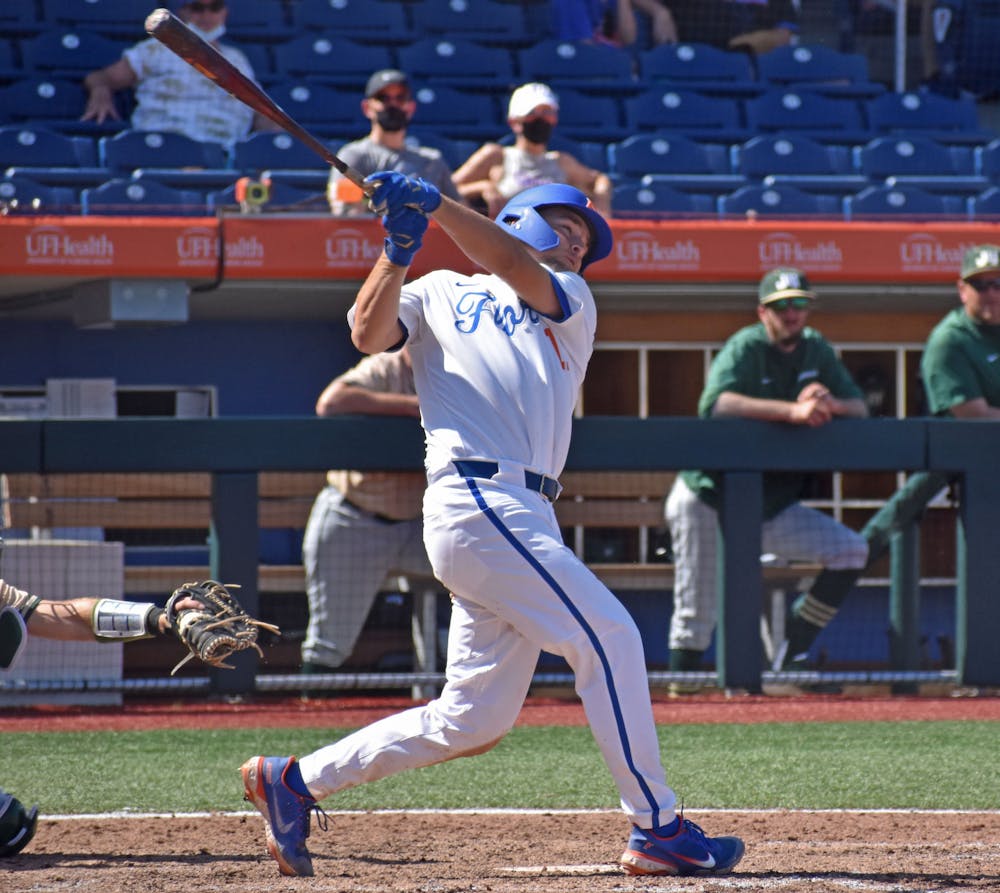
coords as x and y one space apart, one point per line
235 450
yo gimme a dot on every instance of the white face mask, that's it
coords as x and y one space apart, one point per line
208 36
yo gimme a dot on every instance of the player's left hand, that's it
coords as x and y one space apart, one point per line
394 191
405 228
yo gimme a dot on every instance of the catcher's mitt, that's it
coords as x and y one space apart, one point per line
215 630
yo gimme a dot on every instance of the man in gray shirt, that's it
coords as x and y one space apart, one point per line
389 104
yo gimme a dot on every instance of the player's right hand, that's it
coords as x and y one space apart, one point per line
405 229
394 190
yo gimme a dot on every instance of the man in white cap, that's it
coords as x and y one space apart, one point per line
495 173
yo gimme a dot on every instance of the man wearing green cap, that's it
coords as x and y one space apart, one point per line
778 370
960 369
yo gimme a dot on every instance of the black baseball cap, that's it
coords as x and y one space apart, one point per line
385 78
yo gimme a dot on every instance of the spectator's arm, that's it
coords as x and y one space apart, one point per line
761 41
339 398
594 183
626 24
975 409
101 86
661 20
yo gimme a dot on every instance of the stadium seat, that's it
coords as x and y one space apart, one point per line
127 196
778 201
457 114
822 117
325 109
131 149
714 118
796 160
282 197
20 17
819 67
202 181
9 68
591 153
675 161
939 117
69 53
331 59
262 20
274 150
586 116
893 201
966 35
489 21
453 151
985 206
22 144
457 62
988 162
120 19
384 21
71 176
699 66
22 195
42 99
659 200
577 65
919 161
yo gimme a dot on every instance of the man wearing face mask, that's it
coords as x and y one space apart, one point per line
389 105
495 173
172 96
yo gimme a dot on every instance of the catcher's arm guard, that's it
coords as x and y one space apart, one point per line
216 629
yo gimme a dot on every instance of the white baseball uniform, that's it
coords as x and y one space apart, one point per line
497 383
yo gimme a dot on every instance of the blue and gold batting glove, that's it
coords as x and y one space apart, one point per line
394 190
405 228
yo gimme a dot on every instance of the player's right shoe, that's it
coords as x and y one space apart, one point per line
688 851
286 813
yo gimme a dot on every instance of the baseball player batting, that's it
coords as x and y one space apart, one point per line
498 361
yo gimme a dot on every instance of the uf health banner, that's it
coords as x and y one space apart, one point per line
322 247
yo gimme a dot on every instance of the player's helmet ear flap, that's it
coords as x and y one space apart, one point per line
521 219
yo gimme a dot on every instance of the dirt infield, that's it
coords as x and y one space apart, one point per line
811 852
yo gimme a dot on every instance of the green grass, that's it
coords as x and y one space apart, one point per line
817 765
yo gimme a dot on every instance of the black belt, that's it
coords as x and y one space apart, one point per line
539 483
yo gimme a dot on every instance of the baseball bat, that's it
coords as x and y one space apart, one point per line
177 37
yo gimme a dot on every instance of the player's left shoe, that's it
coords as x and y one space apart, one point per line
688 851
286 813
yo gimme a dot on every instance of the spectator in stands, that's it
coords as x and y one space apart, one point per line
962 380
776 370
495 173
611 21
363 524
754 26
389 105
170 94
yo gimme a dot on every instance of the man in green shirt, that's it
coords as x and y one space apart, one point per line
778 370
960 369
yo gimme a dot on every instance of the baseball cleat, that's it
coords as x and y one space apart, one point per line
286 813
688 851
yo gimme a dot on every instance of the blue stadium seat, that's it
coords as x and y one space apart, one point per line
261 61
453 151
262 20
42 99
586 116
988 162
121 19
22 144
283 197
939 117
127 196
796 160
674 161
699 66
457 114
328 58
130 149
715 118
384 21
201 181
274 150
9 67
659 200
325 109
488 21
886 202
453 61
577 65
985 206
22 195
819 67
69 53
591 153
20 17
822 117
919 161
966 35
778 201
70 176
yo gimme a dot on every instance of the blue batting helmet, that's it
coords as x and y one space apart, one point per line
521 219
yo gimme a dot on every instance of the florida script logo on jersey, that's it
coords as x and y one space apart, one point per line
473 306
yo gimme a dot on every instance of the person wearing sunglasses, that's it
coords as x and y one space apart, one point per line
389 105
779 370
960 371
170 95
